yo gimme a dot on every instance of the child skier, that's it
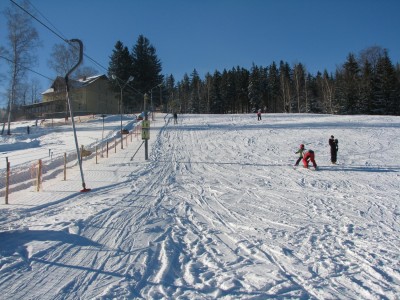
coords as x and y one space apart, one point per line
300 153
309 156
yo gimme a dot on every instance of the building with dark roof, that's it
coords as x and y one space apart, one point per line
88 95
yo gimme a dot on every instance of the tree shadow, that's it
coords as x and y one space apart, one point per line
11 241
369 169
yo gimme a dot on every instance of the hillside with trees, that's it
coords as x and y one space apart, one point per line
366 84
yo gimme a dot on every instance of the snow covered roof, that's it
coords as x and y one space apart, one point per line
48 91
88 80
59 83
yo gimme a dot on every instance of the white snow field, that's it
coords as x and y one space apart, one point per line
217 211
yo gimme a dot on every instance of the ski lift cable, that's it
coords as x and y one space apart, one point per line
32 16
55 33
44 17
33 71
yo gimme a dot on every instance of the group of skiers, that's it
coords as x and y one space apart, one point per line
308 155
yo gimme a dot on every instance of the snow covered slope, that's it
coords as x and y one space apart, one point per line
216 212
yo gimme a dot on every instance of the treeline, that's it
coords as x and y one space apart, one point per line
366 84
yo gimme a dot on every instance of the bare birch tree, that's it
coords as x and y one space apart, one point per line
22 40
64 57
328 90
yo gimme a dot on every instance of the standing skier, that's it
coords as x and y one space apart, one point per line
300 153
259 114
333 143
309 156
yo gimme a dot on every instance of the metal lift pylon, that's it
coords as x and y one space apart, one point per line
72 114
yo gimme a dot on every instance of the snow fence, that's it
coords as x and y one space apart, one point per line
34 173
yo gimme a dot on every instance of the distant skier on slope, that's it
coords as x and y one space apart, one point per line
309 156
300 153
259 115
333 143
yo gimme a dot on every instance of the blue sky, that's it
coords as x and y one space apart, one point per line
209 35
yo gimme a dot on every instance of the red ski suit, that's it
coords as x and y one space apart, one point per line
309 156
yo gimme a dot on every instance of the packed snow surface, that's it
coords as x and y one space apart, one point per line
217 211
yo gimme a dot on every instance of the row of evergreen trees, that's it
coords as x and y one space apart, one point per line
369 84
366 84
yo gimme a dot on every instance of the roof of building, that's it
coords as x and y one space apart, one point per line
59 83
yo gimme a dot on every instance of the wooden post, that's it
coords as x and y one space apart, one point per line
39 175
96 154
65 166
107 149
7 179
115 145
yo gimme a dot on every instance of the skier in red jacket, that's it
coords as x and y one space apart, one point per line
309 156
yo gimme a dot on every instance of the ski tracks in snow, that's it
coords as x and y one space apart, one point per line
216 212
257 236
217 255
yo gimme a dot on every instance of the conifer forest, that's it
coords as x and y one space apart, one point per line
365 84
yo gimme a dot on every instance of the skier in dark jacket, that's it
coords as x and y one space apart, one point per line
309 156
333 143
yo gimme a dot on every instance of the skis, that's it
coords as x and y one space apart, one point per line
301 167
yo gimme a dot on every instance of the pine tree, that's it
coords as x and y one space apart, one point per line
274 88
313 104
299 79
264 88
206 108
387 92
397 100
231 92
195 85
227 91
170 91
366 88
215 94
120 64
348 85
146 66
254 89
119 71
224 90
286 86
241 85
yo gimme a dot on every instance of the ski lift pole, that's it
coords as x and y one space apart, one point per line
71 111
